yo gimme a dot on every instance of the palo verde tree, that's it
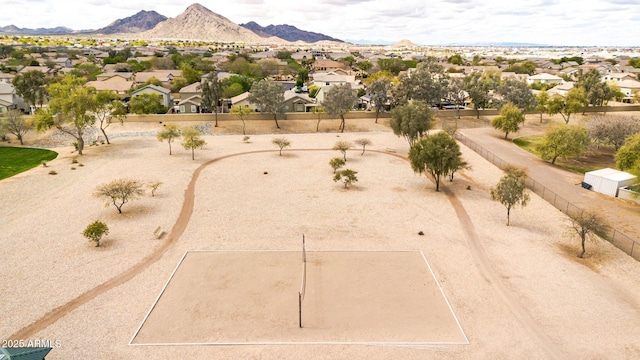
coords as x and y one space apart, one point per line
342 146
281 142
15 123
95 231
191 140
211 88
70 109
573 102
338 101
319 112
511 189
363 142
347 176
107 108
411 121
119 192
628 156
562 140
509 120
169 132
268 96
147 103
379 91
587 226
436 154
542 103
336 163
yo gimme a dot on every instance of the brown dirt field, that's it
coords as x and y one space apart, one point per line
517 291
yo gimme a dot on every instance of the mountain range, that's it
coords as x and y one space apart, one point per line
195 23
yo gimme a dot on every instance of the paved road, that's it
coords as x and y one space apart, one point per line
623 215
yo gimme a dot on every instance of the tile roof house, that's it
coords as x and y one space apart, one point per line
190 105
544 78
296 102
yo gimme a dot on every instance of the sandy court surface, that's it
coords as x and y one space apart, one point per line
518 291
351 297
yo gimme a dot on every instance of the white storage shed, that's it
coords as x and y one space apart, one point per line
608 181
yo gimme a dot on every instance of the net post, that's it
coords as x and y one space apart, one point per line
300 310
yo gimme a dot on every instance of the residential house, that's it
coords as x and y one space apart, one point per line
165 76
119 83
6 78
629 87
167 101
296 102
188 91
242 100
63 62
617 76
9 99
45 70
324 65
190 105
544 78
561 89
325 80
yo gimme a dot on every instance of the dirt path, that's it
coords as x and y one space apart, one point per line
483 264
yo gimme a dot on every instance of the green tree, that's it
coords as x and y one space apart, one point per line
509 120
516 92
169 132
347 176
588 226
428 83
542 100
108 107
562 140
597 92
70 109
455 59
411 121
191 140
436 154
86 70
336 163
119 192
456 93
338 101
15 123
363 142
153 186
147 103
95 231
511 189
242 112
379 91
628 156
31 86
478 87
342 146
190 74
211 93
574 102
268 96
282 143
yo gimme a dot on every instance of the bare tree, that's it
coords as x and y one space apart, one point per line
154 185
342 146
612 129
587 226
15 123
363 142
119 192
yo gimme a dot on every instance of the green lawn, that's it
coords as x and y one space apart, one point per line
14 160
594 159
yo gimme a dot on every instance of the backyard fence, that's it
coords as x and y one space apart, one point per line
616 237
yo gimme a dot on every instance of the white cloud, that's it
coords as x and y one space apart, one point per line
553 22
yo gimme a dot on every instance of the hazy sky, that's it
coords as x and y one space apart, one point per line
425 22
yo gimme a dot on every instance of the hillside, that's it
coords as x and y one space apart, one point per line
199 23
141 21
287 32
